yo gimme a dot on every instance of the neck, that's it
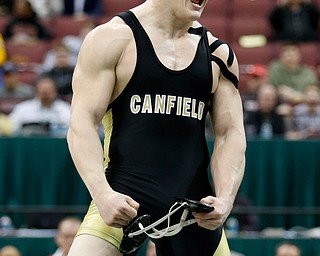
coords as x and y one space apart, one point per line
162 17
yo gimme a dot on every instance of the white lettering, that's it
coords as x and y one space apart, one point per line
186 107
179 104
200 110
160 104
135 108
164 104
193 109
147 106
170 104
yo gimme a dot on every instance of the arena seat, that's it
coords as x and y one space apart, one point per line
262 55
3 21
33 53
69 25
250 26
217 8
310 53
218 26
8 103
113 7
28 76
252 8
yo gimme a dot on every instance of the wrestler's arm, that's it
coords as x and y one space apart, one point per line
228 159
93 84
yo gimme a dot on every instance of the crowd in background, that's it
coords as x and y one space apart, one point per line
280 99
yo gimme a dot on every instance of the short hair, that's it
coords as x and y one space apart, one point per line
288 243
73 219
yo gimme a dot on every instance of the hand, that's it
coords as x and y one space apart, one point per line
214 219
117 209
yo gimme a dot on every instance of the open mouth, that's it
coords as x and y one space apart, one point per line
197 2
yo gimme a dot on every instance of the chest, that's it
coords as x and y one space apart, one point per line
175 54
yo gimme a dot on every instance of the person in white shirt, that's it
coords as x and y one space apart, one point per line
47 8
67 230
44 108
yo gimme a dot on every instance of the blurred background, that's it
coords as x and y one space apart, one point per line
277 46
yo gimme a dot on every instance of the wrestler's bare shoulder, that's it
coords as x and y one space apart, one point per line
114 34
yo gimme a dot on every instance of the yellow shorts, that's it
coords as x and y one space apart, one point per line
94 225
223 248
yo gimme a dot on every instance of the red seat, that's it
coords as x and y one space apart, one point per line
7 104
49 24
250 26
69 25
217 8
253 55
252 8
310 53
28 76
113 7
27 53
218 26
3 22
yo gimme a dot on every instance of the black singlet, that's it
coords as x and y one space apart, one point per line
155 141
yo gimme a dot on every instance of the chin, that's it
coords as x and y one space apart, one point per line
195 15
195 12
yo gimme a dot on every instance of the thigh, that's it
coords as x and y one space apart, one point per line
84 245
194 240
95 238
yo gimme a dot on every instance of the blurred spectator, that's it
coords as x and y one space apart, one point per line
47 8
82 8
12 85
62 71
306 116
151 249
10 250
72 43
257 75
24 27
287 249
6 7
67 230
43 114
3 57
265 122
295 20
3 52
290 75
6 126
247 221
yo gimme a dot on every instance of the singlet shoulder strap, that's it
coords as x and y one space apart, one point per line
224 69
128 18
196 31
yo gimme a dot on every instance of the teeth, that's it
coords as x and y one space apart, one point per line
198 2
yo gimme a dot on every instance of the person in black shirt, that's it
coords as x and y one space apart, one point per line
265 122
295 20
24 26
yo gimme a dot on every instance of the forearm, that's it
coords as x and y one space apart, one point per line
87 153
228 163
